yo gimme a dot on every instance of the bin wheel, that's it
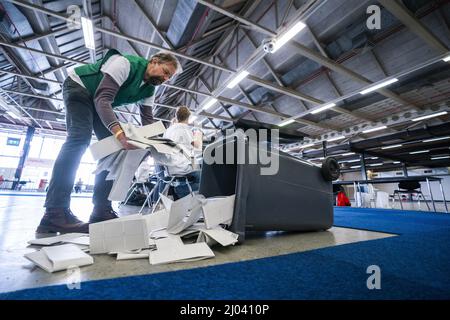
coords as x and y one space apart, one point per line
330 169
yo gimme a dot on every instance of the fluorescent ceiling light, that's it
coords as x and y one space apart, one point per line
374 158
376 164
436 139
348 154
430 116
335 138
241 75
325 107
438 158
421 151
446 59
355 167
209 104
396 162
12 114
374 129
88 33
380 85
286 122
391 147
288 35
356 160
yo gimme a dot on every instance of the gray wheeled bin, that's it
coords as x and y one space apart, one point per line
297 198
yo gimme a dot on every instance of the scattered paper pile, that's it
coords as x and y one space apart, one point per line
183 231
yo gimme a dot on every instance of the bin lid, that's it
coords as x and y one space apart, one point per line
286 135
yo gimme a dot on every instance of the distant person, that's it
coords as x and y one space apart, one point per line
181 164
78 186
181 133
342 199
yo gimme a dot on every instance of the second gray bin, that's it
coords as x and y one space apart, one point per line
296 198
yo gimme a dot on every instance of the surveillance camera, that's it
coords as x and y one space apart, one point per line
269 45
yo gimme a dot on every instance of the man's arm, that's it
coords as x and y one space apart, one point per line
146 111
103 99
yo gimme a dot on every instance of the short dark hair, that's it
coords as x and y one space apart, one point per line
162 57
183 113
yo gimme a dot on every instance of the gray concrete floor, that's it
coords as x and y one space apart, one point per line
19 216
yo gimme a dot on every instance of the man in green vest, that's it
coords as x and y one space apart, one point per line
90 93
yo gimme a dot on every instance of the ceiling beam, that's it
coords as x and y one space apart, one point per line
415 25
239 18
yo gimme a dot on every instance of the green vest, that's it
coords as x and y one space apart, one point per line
130 91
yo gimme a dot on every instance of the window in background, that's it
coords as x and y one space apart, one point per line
87 158
11 150
9 162
50 148
35 147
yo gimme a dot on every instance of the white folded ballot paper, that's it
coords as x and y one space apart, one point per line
48 241
217 235
218 210
83 241
157 220
143 254
170 250
183 213
119 235
59 258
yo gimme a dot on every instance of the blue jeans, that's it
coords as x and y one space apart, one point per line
81 119
181 190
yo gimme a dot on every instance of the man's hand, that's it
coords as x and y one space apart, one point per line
119 134
124 142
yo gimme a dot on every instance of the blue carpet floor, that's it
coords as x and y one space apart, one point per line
414 265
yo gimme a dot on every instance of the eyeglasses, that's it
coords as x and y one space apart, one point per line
166 72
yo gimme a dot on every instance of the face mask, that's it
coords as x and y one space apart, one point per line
155 80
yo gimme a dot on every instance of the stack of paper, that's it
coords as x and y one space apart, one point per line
110 145
119 235
59 258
